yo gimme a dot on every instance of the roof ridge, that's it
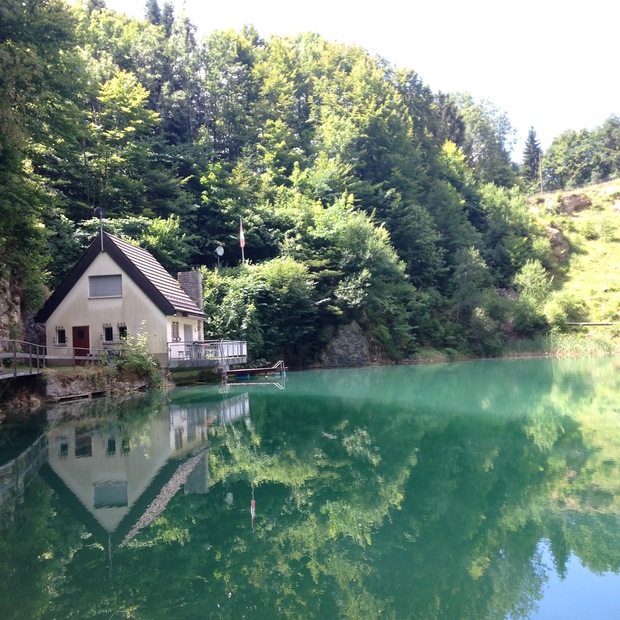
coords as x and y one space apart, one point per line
154 272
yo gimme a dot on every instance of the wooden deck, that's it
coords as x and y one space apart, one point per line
277 369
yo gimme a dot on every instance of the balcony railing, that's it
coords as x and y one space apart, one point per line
222 353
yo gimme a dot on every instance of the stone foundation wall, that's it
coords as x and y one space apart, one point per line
63 384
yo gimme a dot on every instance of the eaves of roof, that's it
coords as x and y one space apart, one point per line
150 277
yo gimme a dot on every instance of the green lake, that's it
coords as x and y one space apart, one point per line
484 489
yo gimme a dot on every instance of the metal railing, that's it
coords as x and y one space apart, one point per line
207 353
15 474
18 358
68 356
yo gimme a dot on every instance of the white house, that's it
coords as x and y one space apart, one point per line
117 289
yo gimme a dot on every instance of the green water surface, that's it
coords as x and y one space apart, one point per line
486 489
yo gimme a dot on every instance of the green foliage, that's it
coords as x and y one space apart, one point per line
529 321
352 169
471 277
562 308
134 360
532 154
577 158
511 236
488 140
533 282
270 305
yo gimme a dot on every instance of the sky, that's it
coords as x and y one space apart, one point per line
548 64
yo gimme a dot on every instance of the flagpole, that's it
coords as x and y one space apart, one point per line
241 240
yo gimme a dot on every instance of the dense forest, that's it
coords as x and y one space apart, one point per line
364 196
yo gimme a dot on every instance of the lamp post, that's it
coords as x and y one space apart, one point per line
219 252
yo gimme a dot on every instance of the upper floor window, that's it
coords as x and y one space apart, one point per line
105 286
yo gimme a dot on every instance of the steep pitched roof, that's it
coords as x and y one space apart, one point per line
152 279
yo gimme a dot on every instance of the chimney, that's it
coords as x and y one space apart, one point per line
191 283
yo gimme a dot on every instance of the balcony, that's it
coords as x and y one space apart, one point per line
199 354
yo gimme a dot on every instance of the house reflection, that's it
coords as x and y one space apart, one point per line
123 480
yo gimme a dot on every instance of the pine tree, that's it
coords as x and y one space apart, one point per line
532 154
152 12
167 18
95 5
450 123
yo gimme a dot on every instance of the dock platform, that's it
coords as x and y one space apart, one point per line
245 373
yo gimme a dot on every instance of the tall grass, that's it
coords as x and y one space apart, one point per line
576 344
572 344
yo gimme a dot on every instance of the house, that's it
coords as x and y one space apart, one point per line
115 290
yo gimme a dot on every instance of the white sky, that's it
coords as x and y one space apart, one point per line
549 64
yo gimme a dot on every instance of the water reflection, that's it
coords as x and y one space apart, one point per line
463 491
112 470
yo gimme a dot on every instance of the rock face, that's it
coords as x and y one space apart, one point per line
10 315
559 246
574 202
352 347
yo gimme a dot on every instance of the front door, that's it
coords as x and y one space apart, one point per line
81 341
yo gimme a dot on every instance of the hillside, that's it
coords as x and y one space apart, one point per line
589 268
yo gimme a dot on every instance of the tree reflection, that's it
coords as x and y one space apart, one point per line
368 504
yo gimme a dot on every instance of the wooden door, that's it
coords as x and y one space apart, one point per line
81 341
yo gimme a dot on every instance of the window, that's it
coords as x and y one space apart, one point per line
83 443
110 494
122 331
63 447
175 332
108 333
61 336
105 286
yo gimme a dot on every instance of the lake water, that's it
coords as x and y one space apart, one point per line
487 489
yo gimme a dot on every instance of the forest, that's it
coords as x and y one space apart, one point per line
364 196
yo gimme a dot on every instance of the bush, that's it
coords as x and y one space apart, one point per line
528 321
484 334
563 308
135 361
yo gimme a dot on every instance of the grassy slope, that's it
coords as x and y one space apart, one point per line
592 269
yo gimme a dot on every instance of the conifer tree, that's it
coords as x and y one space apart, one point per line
95 5
167 18
532 154
152 12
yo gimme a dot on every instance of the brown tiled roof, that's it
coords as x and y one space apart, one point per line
156 283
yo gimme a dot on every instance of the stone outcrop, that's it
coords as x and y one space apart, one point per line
10 314
351 346
574 202
559 246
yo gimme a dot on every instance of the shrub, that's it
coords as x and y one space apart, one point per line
135 361
528 320
563 308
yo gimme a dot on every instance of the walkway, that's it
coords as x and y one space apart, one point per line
20 359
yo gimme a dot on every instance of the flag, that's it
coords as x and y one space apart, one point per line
241 236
